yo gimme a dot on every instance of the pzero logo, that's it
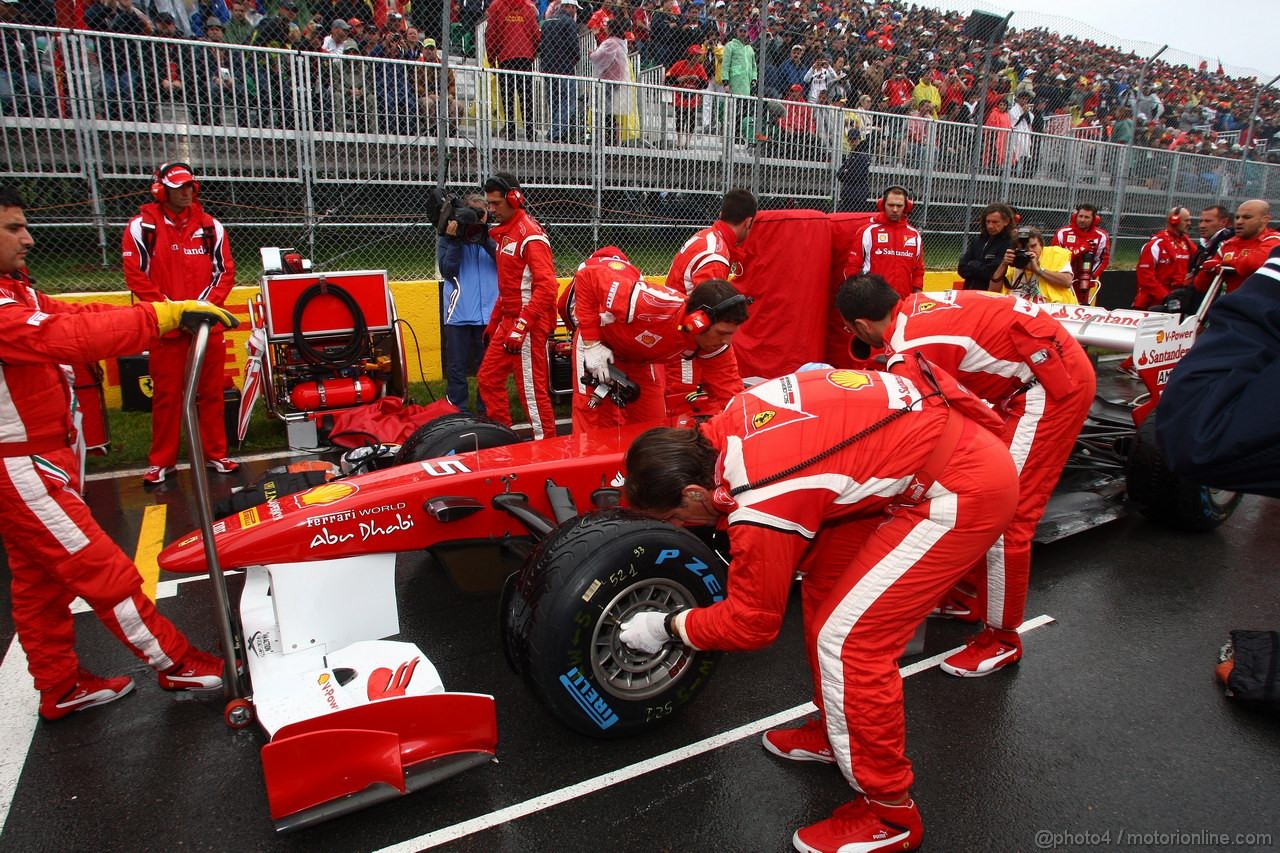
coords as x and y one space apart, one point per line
762 418
850 380
594 705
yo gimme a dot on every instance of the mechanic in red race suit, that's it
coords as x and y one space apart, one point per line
880 494
524 315
1090 249
889 247
713 253
56 551
637 327
1162 264
1246 252
174 250
1041 384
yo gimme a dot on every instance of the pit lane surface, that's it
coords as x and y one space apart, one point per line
1111 728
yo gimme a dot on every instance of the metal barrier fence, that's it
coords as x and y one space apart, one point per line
334 155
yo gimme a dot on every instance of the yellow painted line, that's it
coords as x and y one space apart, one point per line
150 544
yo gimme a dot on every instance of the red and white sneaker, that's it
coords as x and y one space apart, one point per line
88 691
863 826
156 474
804 743
990 651
223 465
952 608
197 671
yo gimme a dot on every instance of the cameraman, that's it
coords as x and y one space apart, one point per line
1035 272
470 274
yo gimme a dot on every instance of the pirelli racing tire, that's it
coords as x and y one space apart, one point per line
459 432
561 621
1165 497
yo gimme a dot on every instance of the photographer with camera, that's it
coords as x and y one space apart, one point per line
468 269
624 325
1036 272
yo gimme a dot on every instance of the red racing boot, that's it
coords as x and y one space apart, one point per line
863 826
87 691
804 743
989 651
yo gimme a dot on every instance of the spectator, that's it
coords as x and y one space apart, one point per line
24 88
339 40
430 91
664 34
1090 249
1020 118
738 74
798 128
610 63
926 90
168 69
888 246
468 267
219 93
1035 272
688 75
239 30
173 250
986 251
558 59
896 92
819 78
855 172
397 99
919 147
118 57
525 313
56 550
995 138
511 40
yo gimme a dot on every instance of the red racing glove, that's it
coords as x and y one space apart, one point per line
515 338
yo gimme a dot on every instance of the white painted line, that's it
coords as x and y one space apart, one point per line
19 710
658 762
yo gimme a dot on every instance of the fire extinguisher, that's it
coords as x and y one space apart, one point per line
333 393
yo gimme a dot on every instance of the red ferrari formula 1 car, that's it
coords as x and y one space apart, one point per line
353 718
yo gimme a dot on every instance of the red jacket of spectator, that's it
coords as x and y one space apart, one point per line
686 74
527 285
891 250
1162 266
897 91
798 118
513 31
1093 243
1244 256
704 256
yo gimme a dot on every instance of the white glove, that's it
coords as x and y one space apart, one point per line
596 359
645 632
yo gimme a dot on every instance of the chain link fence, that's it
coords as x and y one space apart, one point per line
624 124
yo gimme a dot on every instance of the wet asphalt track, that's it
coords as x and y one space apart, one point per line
1111 731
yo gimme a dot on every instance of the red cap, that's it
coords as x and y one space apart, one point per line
355 22
696 48
176 176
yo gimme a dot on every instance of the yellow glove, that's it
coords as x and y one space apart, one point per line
171 315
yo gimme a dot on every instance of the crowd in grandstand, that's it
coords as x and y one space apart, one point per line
869 58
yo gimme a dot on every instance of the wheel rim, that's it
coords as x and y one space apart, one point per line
1219 499
628 674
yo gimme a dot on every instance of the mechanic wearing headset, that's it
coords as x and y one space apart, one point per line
1090 249
880 493
1040 383
710 254
637 327
889 247
174 250
56 551
524 315
1164 260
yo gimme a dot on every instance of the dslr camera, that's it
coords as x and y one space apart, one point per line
1021 256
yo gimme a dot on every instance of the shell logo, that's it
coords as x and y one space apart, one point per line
1160 336
617 265
850 380
762 418
327 494
323 679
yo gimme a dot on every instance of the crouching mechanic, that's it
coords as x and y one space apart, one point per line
56 551
634 326
880 492
1040 383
